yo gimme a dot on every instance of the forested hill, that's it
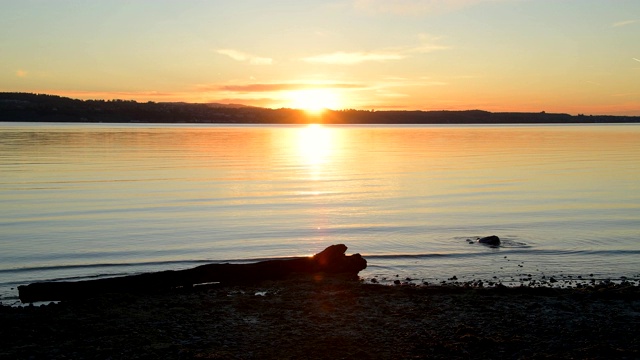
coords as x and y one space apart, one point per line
25 107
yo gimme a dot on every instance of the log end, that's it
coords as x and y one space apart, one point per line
334 260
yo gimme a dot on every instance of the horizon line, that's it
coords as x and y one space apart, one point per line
363 109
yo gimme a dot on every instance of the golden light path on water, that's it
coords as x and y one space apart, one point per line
315 146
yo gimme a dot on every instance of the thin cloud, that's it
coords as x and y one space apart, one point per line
426 48
427 44
352 58
633 94
274 87
21 73
393 95
413 7
245 57
395 78
261 61
638 60
261 102
404 82
623 23
434 83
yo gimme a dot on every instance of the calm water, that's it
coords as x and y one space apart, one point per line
80 201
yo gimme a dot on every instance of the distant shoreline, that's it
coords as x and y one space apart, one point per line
26 107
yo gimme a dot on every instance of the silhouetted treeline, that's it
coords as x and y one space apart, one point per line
27 107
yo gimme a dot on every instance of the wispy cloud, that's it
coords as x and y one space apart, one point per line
352 58
632 94
638 60
392 95
275 87
21 73
245 57
421 81
261 102
413 7
427 44
623 23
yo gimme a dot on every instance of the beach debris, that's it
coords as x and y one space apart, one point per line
331 260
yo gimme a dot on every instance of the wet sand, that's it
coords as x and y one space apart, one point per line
333 319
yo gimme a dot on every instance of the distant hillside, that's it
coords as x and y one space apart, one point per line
26 107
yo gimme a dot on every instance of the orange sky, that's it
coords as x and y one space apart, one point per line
497 55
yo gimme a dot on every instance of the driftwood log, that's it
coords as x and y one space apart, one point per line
332 260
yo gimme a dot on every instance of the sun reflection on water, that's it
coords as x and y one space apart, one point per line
315 144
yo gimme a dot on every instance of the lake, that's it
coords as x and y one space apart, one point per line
82 201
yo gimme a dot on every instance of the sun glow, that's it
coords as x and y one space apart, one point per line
315 144
314 100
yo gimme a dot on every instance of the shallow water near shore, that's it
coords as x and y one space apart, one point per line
82 201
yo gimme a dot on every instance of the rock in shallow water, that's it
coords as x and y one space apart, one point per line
489 240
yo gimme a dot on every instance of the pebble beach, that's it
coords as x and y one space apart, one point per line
333 318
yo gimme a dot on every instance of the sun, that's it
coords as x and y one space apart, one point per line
314 100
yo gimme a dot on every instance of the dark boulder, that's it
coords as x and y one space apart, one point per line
489 240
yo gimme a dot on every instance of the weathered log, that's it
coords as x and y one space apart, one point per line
332 260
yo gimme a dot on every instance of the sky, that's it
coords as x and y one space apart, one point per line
566 56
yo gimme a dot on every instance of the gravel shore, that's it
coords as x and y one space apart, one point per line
328 318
